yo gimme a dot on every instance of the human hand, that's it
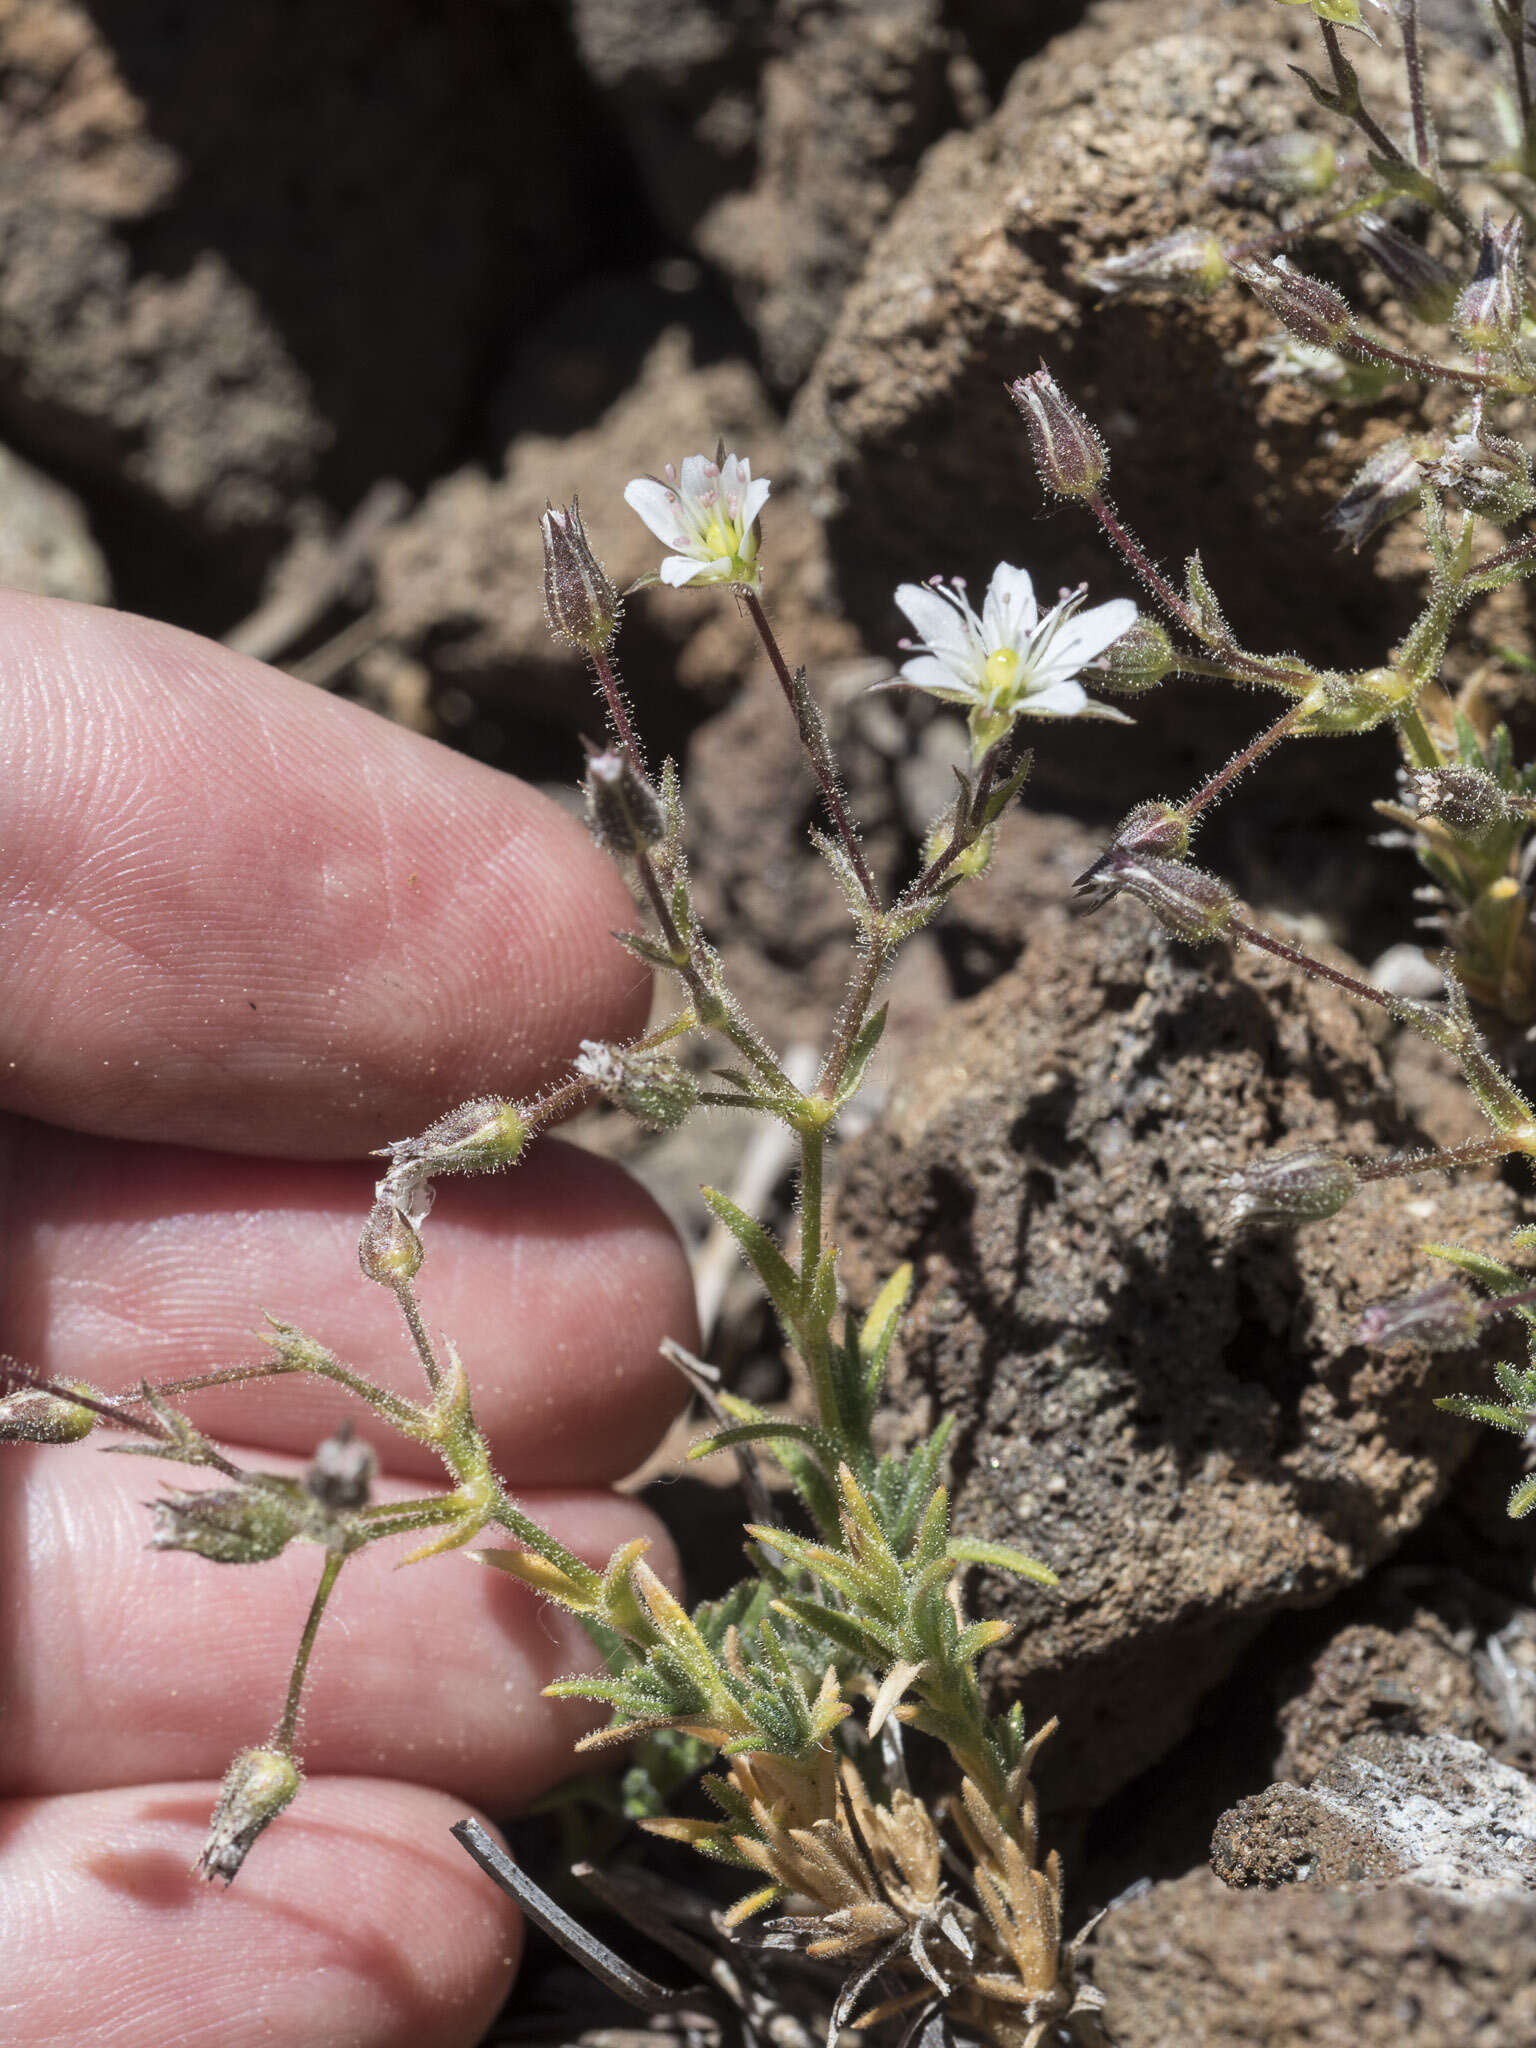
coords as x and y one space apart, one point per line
253 932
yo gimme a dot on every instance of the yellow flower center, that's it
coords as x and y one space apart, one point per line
1002 669
719 538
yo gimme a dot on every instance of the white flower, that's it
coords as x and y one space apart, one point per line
1009 661
708 516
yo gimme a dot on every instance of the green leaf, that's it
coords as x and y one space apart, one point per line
859 1636
1484 1411
860 1054
879 1331
1523 1497
1000 1557
767 1261
1005 792
817 1442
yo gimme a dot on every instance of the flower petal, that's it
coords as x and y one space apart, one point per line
1010 613
1085 638
754 501
657 506
942 626
677 570
699 475
938 679
1056 700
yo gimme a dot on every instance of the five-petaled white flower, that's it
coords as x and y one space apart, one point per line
708 516
1009 661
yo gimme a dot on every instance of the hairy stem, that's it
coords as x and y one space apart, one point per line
1254 751
1446 1159
403 1294
831 788
283 1734
614 697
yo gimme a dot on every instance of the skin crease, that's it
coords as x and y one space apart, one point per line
252 933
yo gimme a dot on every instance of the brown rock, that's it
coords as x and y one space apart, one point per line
1427 1809
1179 1423
1439 1656
1192 1965
775 137
45 538
234 240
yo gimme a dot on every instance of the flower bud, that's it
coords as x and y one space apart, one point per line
477 1137
1385 487
1443 1318
1155 828
1304 1186
1306 307
623 811
341 1472
1420 280
1468 800
1489 312
1487 473
36 1415
1070 459
1187 902
581 605
1138 660
389 1250
653 1089
1188 265
230 1524
1282 167
257 1786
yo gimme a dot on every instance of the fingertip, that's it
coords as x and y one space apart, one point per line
357 1919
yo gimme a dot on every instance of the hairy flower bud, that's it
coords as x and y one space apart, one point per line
477 1137
1282 166
389 1250
1304 1186
581 605
1156 828
341 1472
36 1415
1188 903
230 1524
1385 487
1468 800
1188 265
1443 1318
257 1786
1487 473
623 810
1420 280
1306 307
1070 459
653 1089
1138 660
1489 312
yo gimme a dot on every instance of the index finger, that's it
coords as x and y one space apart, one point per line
241 913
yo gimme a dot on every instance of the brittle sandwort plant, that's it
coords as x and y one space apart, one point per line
861 1903
1447 242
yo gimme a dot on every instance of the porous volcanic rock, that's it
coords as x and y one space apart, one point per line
1397 1966
775 137
249 250
1426 1809
1177 1420
907 438
1438 1654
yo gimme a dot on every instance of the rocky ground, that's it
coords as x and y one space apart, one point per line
304 312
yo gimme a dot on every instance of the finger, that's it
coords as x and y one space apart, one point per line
556 1281
358 1921
242 913
120 1665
